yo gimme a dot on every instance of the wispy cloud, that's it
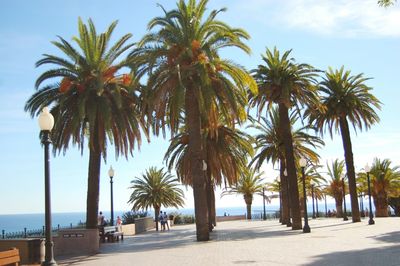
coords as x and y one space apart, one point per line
344 18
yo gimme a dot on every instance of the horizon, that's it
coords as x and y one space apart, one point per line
358 34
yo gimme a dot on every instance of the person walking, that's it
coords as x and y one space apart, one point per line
165 219
161 218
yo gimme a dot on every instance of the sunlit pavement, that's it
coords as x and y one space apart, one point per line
331 242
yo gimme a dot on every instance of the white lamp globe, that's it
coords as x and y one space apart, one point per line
367 168
46 120
111 172
303 162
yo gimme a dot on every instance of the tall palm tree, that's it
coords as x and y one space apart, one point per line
250 183
154 189
187 78
335 185
91 99
288 84
385 183
345 99
269 146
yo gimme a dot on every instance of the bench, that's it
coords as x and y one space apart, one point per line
111 233
10 257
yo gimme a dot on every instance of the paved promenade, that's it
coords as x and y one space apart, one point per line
331 242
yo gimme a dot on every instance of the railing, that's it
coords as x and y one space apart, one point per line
32 233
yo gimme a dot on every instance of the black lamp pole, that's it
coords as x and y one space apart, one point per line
316 206
371 214
306 228
44 123
280 202
264 213
344 202
312 196
326 208
111 174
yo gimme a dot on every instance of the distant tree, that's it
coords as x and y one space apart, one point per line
249 183
91 101
385 183
154 189
335 186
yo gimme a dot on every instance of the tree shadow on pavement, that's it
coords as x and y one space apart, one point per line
384 256
392 237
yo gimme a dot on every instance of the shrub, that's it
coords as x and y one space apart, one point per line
129 217
182 219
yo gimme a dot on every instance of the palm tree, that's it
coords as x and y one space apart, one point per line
187 79
335 185
90 100
226 151
344 99
154 189
286 83
250 183
385 183
269 145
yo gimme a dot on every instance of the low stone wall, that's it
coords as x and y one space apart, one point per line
31 250
230 218
128 229
76 242
144 224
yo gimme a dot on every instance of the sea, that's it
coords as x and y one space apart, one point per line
18 222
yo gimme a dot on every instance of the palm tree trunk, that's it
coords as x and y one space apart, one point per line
92 200
339 210
381 205
213 210
157 214
249 200
284 193
290 166
193 125
348 155
209 200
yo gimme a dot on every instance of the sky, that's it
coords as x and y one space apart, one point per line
357 34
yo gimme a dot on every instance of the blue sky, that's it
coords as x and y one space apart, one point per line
355 33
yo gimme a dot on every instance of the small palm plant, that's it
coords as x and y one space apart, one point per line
249 183
335 185
154 189
385 183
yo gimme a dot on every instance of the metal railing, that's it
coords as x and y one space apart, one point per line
34 233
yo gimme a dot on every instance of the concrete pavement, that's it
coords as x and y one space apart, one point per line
331 242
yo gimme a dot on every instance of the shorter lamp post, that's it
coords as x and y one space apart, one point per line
264 213
280 198
326 207
111 175
312 197
46 123
362 205
289 222
344 201
306 227
371 214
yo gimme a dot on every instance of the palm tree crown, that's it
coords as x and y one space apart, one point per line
154 189
91 99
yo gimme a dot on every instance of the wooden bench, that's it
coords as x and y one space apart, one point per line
10 257
111 233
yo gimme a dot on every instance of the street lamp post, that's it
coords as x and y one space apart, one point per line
264 213
46 123
289 223
111 175
326 208
371 214
362 205
312 197
280 198
344 201
306 228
